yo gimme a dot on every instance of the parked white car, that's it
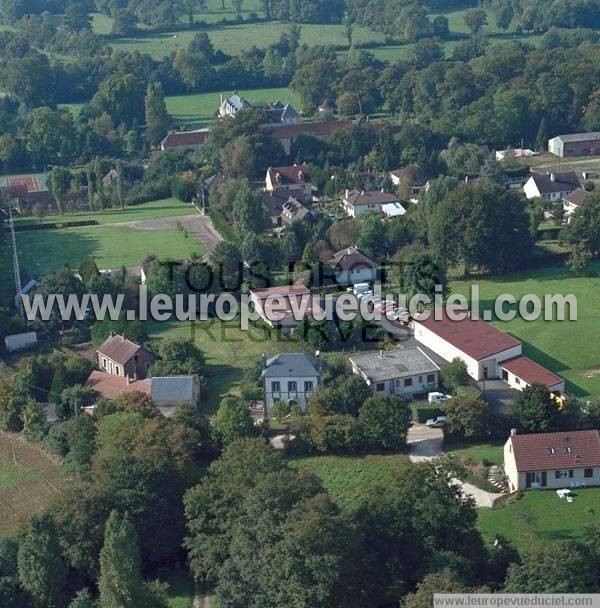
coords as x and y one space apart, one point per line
436 423
436 397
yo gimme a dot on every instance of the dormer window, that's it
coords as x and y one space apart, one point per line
550 451
567 449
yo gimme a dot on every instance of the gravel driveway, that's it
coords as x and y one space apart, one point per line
426 444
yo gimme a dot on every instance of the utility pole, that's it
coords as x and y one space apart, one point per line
17 270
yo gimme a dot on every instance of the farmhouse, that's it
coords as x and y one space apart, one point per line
486 351
572 200
184 140
575 144
278 112
552 460
352 266
283 307
291 378
551 186
296 178
166 391
359 202
275 201
121 357
404 371
232 105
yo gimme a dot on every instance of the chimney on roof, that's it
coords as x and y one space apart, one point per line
553 177
112 334
347 192
362 192
318 358
513 432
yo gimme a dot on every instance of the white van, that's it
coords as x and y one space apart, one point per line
360 289
438 397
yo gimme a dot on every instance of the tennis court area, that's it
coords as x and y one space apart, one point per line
34 182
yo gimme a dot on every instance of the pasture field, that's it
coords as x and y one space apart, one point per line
569 348
233 39
196 110
112 246
350 480
30 479
540 516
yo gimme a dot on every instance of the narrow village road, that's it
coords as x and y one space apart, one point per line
426 444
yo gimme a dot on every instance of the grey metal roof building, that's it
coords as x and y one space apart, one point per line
392 364
291 364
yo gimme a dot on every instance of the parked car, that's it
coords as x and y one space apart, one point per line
436 423
436 397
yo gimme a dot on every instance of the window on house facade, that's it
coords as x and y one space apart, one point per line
292 386
408 381
276 387
308 386
550 451
420 380
430 378
587 473
380 386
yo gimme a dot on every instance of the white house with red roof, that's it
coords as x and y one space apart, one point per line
552 460
488 353
296 177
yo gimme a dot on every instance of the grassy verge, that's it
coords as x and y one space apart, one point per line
350 480
181 590
568 348
540 516
223 228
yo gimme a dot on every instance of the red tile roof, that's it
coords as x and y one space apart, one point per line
111 387
298 174
118 349
530 371
318 129
473 336
186 138
543 451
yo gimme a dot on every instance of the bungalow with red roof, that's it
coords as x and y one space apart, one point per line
184 140
283 307
488 353
359 202
552 460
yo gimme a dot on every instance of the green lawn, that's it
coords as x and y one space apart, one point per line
569 348
351 479
228 351
491 452
233 39
168 207
541 516
196 110
45 251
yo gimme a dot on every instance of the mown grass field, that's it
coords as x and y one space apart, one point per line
112 246
228 350
196 110
569 348
233 39
350 480
541 516
30 479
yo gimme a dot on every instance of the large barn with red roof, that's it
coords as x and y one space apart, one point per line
487 352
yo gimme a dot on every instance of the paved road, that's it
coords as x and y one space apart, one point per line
426 444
